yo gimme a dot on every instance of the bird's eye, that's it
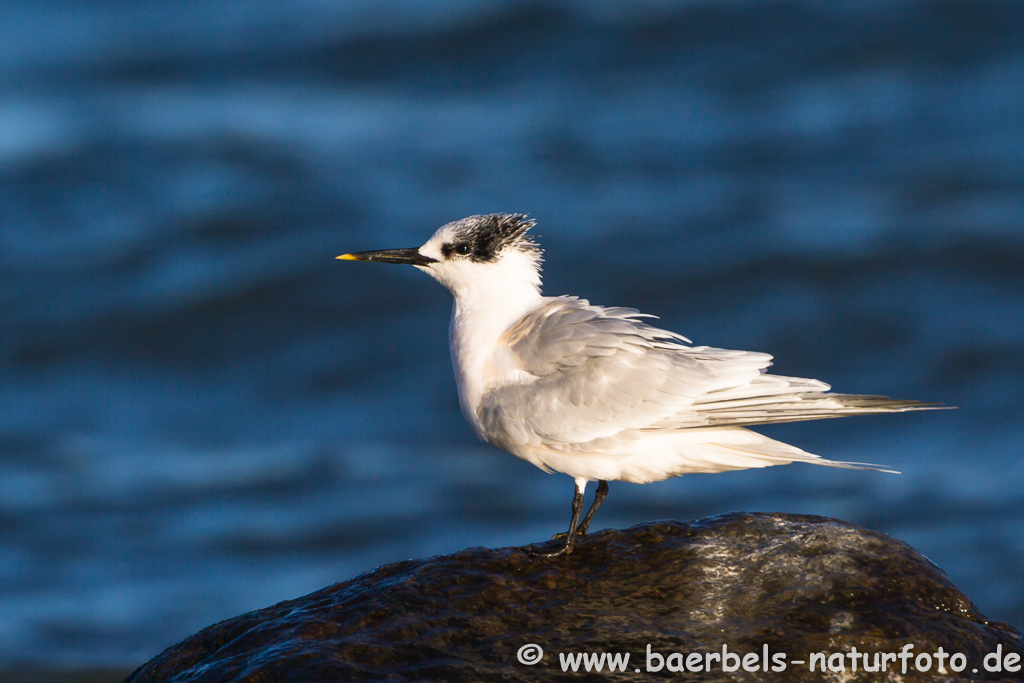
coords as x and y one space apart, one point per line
462 249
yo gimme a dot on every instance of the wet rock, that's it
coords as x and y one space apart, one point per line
785 585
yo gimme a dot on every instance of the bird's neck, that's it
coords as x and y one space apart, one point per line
479 319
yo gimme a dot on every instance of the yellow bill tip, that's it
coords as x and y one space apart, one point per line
348 257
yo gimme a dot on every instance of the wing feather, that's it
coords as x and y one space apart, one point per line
601 371
597 375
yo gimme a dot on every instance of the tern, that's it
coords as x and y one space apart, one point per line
597 393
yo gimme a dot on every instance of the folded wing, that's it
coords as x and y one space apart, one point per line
594 373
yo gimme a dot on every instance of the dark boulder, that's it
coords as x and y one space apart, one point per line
788 585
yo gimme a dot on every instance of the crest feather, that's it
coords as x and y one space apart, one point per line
490 234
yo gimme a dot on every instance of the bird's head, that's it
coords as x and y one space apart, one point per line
475 255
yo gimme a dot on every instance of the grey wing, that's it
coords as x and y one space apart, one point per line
596 372
599 372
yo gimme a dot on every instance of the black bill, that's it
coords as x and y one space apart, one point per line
411 257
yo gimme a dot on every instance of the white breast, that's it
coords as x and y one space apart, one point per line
481 359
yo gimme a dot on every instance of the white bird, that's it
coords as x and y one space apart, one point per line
594 392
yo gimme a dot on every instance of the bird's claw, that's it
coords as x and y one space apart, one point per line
580 531
564 550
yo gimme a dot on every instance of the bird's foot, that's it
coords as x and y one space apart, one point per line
564 550
580 531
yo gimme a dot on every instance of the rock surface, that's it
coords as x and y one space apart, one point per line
795 584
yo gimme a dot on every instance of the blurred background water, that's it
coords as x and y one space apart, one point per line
203 413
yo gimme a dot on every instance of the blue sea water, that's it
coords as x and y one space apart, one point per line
203 413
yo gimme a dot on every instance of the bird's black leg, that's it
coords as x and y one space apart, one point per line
570 538
599 496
